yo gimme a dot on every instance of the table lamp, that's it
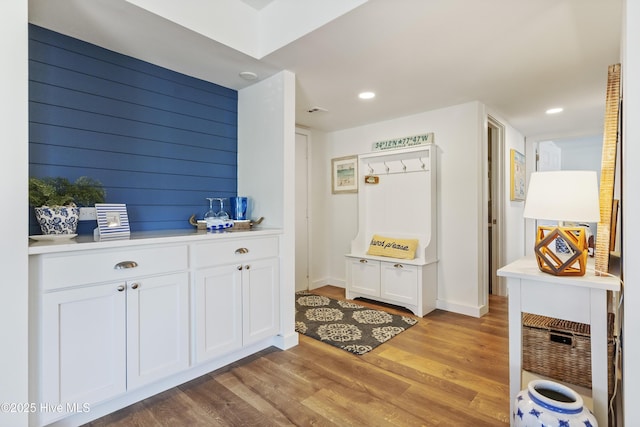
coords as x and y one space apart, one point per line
562 196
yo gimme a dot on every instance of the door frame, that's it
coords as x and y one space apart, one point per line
307 135
497 169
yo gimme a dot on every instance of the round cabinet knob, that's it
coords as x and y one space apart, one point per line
246 267
398 266
239 267
135 286
120 288
364 261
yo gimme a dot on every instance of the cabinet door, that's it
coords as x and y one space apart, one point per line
157 328
218 311
399 282
261 300
83 353
363 276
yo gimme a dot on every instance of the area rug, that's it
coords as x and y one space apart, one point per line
343 324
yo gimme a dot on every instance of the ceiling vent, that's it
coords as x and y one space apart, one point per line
316 110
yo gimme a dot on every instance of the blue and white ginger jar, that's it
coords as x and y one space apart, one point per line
58 219
550 404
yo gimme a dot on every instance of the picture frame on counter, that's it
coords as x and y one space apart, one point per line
113 221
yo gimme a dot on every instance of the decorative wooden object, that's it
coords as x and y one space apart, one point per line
550 262
614 224
608 169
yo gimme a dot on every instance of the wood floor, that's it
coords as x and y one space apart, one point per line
448 370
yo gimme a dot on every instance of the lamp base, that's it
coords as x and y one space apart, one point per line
549 261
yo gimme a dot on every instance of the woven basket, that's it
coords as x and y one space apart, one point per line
561 349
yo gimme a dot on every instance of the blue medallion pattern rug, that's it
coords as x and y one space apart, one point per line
343 324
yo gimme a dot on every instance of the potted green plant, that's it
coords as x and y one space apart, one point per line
56 201
87 192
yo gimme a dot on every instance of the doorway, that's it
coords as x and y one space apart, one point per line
495 205
302 210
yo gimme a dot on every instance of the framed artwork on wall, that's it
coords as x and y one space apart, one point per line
344 175
518 184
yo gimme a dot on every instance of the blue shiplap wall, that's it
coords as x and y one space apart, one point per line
158 140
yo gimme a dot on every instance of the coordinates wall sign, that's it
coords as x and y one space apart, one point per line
405 142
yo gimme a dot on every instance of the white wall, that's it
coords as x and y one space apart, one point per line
631 208
576 153
266 172
581 153
13 182
460 134
261 133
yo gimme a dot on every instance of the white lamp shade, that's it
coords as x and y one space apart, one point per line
563 196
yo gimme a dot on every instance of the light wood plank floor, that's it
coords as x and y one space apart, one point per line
448 370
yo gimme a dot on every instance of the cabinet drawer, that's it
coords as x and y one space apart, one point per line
363 276
61 271
230 251
399 282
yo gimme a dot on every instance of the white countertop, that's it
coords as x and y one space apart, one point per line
527 268
85 241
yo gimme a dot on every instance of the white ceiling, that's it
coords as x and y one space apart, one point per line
517 57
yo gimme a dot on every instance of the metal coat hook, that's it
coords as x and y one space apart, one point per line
370 168
404 167
385 166
422 163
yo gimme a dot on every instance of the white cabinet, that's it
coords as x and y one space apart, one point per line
363 277
98 340
399 282
218 311
235 304
83 353
261 300
399 203
157 328
116 321
392 281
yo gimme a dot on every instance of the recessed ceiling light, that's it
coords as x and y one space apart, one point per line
366 95
248 75
554 110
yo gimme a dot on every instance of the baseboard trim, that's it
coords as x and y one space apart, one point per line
478 311
339 283
285 342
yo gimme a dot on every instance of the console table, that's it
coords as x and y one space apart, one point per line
577 299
